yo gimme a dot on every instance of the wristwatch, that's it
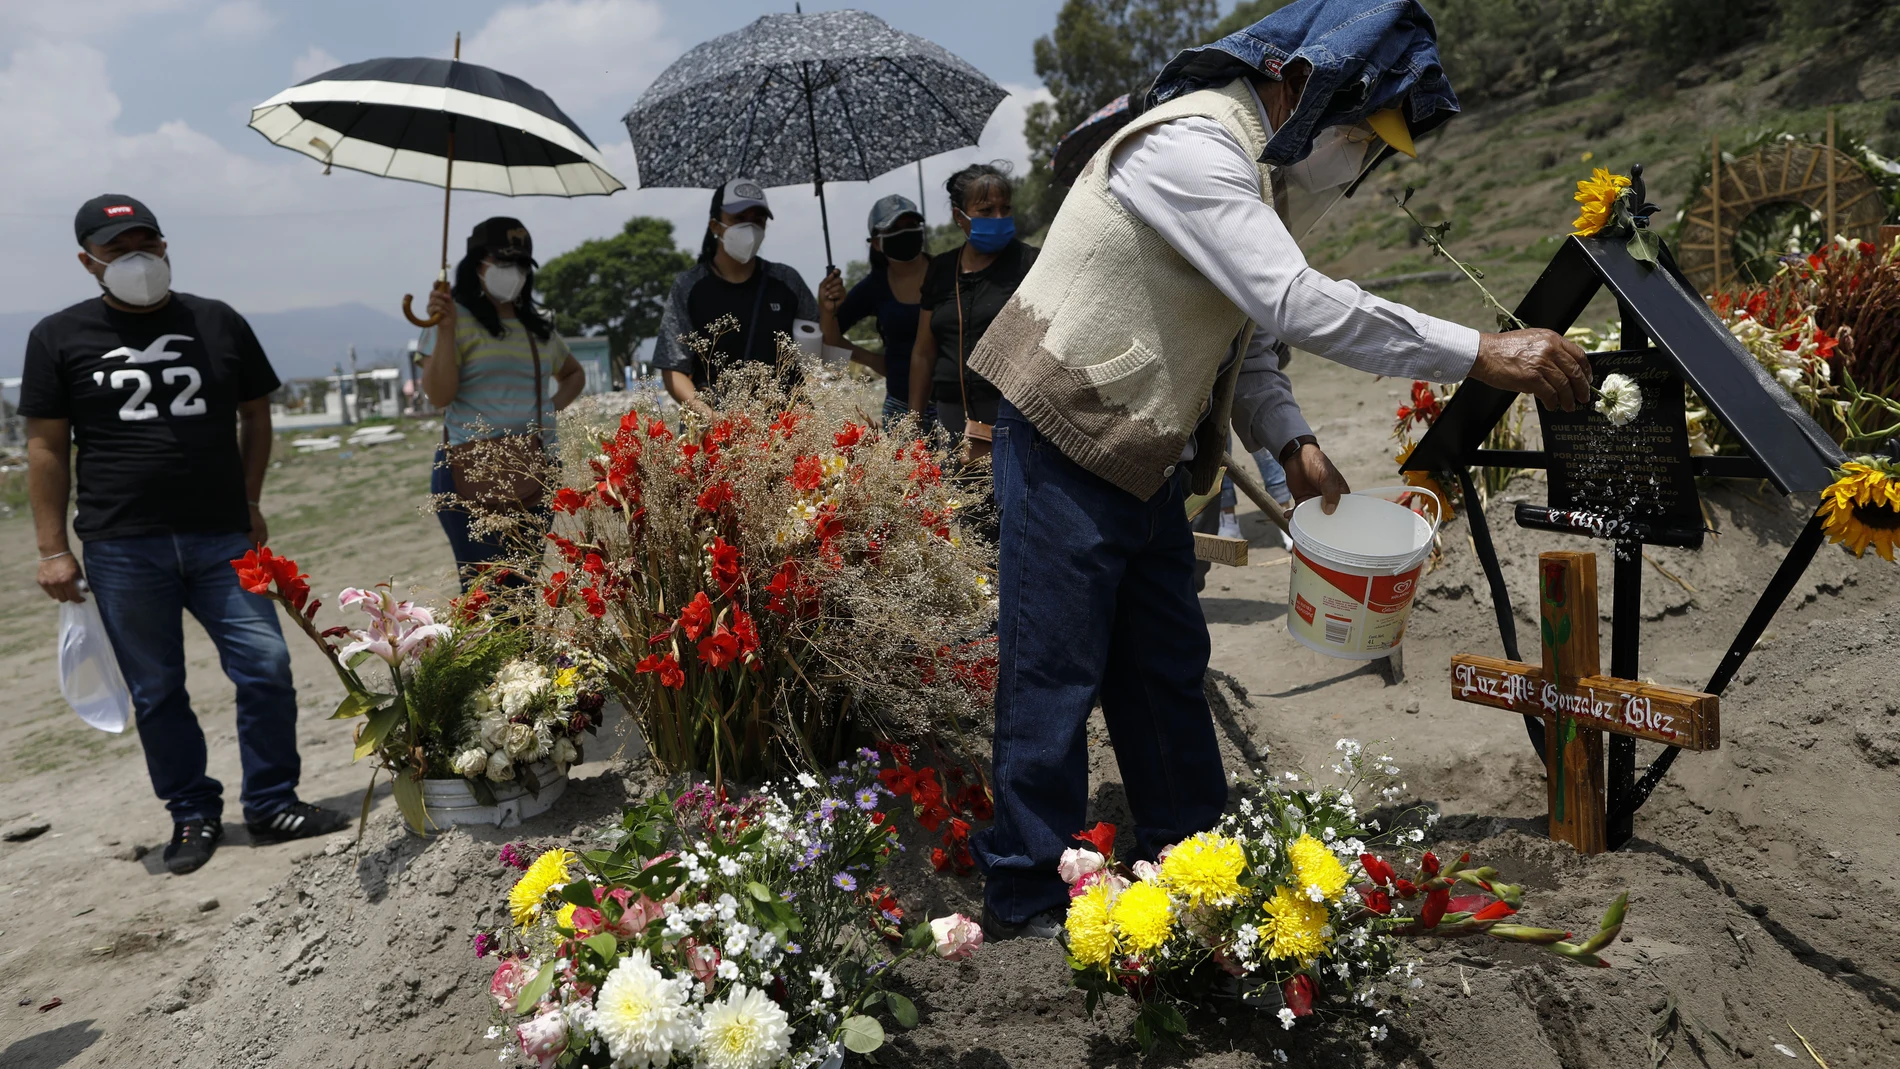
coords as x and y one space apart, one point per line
1288 451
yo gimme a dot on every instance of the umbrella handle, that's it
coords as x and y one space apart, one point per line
408 307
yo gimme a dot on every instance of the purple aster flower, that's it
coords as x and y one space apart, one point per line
867 799
867 753
794 948
845 881
484 944
829 807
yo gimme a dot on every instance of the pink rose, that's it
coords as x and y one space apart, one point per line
544 1037
1147 872
957 936
702 960
510 976
1077 863
1114 882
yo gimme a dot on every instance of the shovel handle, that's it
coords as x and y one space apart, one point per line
408 308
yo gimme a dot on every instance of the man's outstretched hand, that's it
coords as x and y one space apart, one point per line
1539 362
1310 474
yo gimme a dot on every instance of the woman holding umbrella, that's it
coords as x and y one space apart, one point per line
890 293
962 293
489 356
731 279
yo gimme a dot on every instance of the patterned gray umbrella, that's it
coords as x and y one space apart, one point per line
836 96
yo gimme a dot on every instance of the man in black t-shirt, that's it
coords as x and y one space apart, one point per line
166 397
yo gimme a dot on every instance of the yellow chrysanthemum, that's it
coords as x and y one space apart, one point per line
548 871
1862 508
1143 917
566 677
565 918
1205 870
1091 938
1597 194
1315 866
1295 928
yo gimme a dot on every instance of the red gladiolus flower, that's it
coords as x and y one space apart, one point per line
671 675
555 590
1428 864
808 473
851 435
570 552
568 500
1824 344
1377 902
714 496
748 636
593 565
938 859
1433 910
719 649
470 605
1101 837
976 801
697 616
1299 994
725 565
253 574
932 816
787 422
658 430
959 828
1405 888
1495 911
1377 870
596 605
259 568
826 526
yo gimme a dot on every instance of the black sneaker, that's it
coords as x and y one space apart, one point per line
1044 925
193 843
298 820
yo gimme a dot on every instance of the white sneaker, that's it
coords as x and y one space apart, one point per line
1229 525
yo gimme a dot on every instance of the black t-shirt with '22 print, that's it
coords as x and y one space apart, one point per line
152 398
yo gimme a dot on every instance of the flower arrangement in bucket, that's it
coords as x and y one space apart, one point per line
439 706
713 932
753 587
1296 898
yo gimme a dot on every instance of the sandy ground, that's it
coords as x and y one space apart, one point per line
1760 876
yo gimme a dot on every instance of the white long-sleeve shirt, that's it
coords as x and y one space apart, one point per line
1195 185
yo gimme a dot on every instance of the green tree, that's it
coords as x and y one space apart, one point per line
1098 50
615 286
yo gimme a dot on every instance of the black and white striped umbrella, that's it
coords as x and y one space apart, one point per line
833 96
396 118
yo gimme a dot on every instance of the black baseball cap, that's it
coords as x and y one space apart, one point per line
108 215
503 238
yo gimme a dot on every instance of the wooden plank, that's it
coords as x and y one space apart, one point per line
1567 612
1669 715
1218 550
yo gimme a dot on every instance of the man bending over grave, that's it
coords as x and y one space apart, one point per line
1152 318
168 398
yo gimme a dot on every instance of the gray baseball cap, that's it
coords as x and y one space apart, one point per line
742 193
887 209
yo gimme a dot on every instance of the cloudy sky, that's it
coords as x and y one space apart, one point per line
151 98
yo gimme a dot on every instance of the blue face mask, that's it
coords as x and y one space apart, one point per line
991 235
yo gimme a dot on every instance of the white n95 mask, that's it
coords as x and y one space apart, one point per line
503 281
742 241
1339 154
137 278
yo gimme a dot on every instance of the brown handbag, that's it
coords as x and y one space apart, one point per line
504 472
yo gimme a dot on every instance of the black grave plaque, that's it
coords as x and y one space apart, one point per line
1637 474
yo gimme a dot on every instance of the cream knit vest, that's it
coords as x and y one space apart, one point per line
1112 344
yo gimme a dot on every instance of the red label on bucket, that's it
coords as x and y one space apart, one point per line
1353 586
1390 593
1304 608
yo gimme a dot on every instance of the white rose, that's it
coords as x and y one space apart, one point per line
500 768
1077 863
518 740
470 762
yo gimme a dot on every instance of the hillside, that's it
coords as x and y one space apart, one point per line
1504 171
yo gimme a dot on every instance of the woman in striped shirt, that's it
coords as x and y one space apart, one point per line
481 369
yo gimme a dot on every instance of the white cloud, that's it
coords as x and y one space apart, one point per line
584 53
313 63
239 20
79 18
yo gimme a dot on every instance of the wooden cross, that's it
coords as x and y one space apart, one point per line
1577 704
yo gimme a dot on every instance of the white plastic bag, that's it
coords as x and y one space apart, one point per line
88 672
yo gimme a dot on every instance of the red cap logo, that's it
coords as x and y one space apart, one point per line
118 209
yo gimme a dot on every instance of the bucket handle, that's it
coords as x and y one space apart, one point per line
1392 493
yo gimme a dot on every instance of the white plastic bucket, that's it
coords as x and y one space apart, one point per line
450 801
1355 571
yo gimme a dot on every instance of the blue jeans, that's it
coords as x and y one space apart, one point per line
1096 601
472 553
145 586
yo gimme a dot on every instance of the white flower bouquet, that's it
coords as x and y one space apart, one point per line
529 714
721 934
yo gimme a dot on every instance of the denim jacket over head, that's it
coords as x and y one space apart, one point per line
1367 56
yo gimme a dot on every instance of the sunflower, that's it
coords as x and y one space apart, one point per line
526 896
1598 194
1862 507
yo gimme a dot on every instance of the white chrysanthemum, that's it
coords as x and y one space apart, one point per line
641 1014
1620 399
470 762
744 1030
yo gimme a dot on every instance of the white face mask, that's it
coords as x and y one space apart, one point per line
503 281
137 278
742 241
1339 155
